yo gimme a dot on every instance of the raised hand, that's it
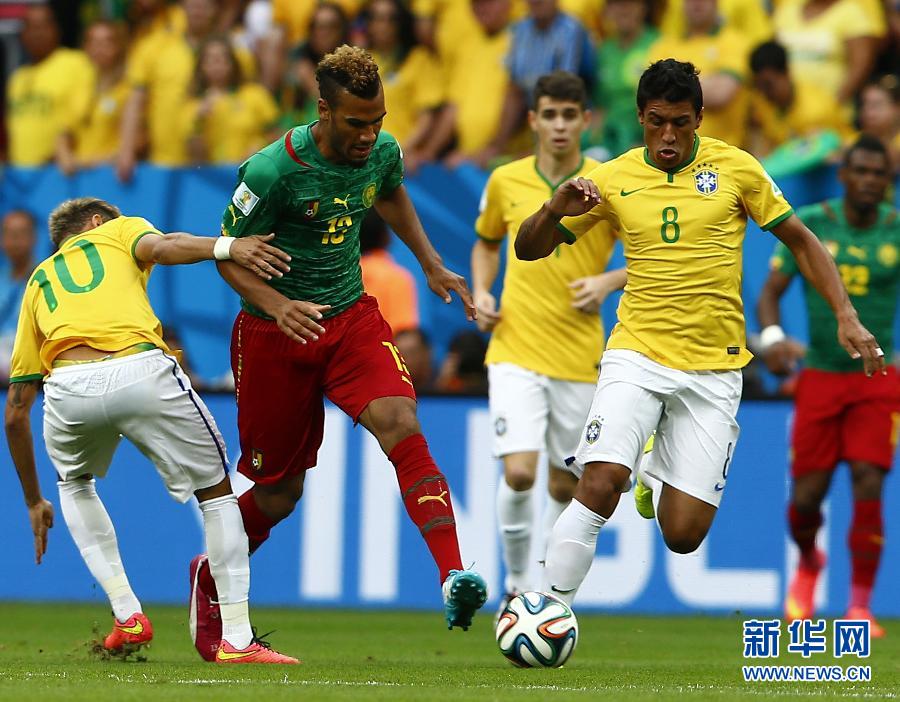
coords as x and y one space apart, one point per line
574 197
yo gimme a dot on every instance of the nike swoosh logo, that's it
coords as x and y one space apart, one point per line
138 628
225 656
626 193
561 592
720 487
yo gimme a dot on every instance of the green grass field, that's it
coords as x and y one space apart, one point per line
44 655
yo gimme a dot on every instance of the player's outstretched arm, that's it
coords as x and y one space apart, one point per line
818 268
397 210
296 318
251 252
19 400
538 235
779 352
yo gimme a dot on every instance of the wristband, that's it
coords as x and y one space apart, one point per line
771 335
222 248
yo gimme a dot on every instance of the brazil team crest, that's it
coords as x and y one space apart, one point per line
310 209
368 195
706 182
592 433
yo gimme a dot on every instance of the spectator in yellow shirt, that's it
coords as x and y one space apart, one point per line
476 80
409 72
720 54
95 139
831 42
298 97
747 17
46 96
879 114
785 105
159 73
228 119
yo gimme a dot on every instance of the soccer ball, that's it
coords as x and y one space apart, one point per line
537 630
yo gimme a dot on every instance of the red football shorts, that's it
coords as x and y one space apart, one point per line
280 384
844 417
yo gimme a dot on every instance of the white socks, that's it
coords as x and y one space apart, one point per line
514 516
570 552
93 533
229 562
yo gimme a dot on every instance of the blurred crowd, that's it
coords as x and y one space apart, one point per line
211 81
175 83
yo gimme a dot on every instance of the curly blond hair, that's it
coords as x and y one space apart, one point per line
349 68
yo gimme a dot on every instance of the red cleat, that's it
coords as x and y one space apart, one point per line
128 636
800 603
204 618
876 631
256 652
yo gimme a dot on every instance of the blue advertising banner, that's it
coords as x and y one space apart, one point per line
350 544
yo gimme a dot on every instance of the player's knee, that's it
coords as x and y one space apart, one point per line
867 480
684 541
394 422
561 485
519 477
602 483
806 498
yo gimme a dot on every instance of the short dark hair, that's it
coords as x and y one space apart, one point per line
866 142
70 217
769 54
561 85
672 81
348 68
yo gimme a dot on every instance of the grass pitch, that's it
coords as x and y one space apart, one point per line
45 655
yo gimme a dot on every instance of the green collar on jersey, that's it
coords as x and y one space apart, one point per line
553 186
681 166
840 214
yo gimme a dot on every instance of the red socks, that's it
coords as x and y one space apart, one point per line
804 526
427 499
257 525
866 539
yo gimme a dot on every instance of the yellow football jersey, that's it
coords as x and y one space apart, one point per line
539 329
44 100
92 292
813 110
97 135
724 51
682 232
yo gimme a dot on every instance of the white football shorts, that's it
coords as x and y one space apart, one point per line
532 412
693 414
146 398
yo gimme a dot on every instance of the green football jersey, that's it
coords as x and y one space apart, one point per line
869 264
316 208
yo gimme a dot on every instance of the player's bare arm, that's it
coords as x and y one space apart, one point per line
296 318
397 210
538 236
19 400
485 265
589 293
254 253
818 268
779 352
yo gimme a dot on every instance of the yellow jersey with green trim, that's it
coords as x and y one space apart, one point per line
539 329
682 232
92 292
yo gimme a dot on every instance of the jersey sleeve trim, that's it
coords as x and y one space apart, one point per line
138 238
489 239
26 378
778 220
570 237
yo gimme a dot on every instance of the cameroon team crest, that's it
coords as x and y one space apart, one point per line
368 196
887 255
311 209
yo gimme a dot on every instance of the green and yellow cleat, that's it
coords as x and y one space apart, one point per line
643 499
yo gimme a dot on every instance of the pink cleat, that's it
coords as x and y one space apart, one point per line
876 631
204 617
256 652
130 635
800 598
